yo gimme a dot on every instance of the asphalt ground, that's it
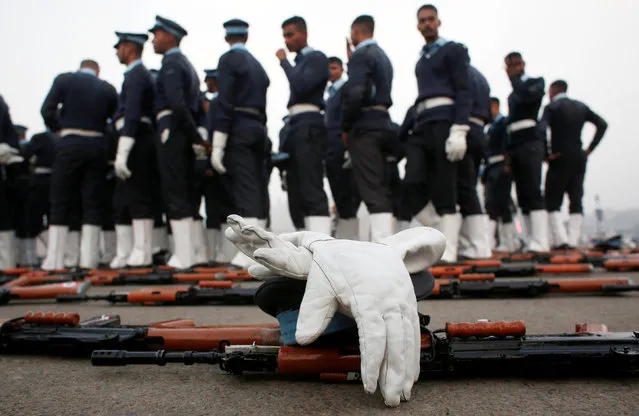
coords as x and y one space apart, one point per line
38 385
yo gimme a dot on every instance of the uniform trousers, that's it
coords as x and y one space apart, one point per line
79 173
566 176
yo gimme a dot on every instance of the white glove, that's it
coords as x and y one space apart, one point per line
9 155
367 281
348 163
217 155
200 151
204 133
125 144
456 142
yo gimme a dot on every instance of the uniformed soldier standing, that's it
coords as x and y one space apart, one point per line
80 164
498 182
18 187
526 149
176 109
437 154
473 241
340 179
366 128
40 150
9 154
240 127
567 161
308 137
135 157
216 198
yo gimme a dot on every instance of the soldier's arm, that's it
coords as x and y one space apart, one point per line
49 108
355 90
457 63
132 106
312 75
174 90
601 126
225 83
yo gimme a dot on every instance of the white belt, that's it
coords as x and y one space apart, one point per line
163 113
521 125
495 159
119 123
302 108
42 170
477 121
80 132
429 103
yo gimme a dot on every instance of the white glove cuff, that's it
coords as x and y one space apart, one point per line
219 139
204 133
459 128
125 143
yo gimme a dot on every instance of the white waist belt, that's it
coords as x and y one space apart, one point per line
119 123
495 159
80 132
521 125
42 170
302 108
429 103
477 121
163 113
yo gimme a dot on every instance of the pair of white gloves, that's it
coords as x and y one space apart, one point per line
9 155
125 144
369 282
456 142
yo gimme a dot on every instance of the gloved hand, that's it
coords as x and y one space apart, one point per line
204 133
369 282
200 151
456 142
125 144
348 163
9 155
217 155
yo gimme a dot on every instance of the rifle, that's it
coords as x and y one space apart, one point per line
43 277
629 264
8 275
204 293
509 269
163 277
50 291
479 348
485 286
64 334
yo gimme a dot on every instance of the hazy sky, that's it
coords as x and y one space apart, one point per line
586 42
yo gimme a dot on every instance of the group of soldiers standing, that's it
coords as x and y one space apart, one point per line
131 167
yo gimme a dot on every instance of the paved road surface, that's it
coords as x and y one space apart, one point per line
55 386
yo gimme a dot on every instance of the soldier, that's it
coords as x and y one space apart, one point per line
40 151
307 138
240 128
176 109
366 128
437 154
135 157
497 182
526 149
340 179
567 161
80 163
473 243
18 181
9 154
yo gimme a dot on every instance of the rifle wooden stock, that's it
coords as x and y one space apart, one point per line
49 291
509 269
